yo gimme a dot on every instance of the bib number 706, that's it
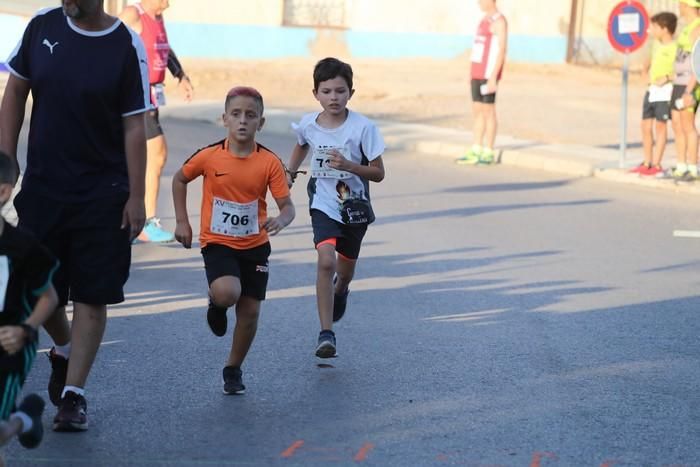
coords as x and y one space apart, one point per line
235 219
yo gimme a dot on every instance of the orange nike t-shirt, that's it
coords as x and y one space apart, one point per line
234 191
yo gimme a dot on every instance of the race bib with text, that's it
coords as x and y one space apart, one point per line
158 92
320 161
234 219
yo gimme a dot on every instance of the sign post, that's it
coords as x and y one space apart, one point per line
628 26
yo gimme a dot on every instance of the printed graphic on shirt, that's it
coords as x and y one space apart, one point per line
353 206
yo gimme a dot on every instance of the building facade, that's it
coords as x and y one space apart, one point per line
541 31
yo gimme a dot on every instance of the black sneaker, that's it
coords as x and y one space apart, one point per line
326 345
340 302
233 381
57 380
216 317
33 406
72 413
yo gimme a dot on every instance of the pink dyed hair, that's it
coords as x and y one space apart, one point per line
246 91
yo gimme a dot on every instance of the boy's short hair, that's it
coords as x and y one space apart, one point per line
8 169
247 92
330 68
666 20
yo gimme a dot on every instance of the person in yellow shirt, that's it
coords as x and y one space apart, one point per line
685 95
656 110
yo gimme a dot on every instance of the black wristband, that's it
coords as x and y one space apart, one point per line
32 334
175 67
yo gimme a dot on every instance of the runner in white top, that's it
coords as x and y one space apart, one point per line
347 153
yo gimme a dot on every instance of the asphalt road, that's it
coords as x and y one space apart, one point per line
498 317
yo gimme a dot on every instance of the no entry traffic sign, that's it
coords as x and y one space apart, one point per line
627 26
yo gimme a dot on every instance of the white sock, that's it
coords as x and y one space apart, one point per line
27 423
74 389
63 350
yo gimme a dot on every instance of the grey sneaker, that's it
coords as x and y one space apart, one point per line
326 345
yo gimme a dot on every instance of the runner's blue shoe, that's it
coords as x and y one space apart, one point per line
153 232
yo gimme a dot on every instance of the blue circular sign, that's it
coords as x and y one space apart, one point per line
628 26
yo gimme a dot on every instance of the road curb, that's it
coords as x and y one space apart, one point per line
529 159
572 160
624 177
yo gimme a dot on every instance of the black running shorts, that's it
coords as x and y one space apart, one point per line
678 91
660 111
348 238
153 128
87 238
477 96
250 266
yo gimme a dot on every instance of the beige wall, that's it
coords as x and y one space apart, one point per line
534 17
240 12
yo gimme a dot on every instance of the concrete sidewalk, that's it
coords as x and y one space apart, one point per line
575 160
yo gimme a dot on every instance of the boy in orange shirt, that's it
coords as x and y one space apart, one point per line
234 228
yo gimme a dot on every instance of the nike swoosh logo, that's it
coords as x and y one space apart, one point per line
217 174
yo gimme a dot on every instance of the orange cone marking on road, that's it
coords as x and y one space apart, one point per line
289 452
538 456
361 455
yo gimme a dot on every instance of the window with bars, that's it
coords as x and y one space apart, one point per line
315 13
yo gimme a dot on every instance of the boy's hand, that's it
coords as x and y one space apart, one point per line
183 233
290 179
187 89
12 338
338 162
273 225
134 216
491 86
688 100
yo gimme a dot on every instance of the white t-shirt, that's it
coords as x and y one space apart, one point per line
359 140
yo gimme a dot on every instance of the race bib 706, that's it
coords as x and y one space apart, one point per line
234 219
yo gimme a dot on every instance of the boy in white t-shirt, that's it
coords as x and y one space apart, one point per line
346 150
